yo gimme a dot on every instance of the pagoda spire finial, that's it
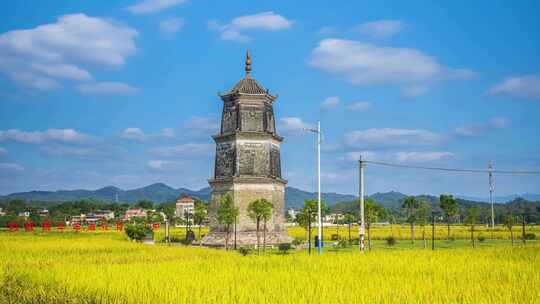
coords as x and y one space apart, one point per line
248 64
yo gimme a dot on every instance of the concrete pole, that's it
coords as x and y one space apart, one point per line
361 230
167 236
490 172
319 228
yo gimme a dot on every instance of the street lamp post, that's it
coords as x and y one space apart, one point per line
433 228
319 216
362 229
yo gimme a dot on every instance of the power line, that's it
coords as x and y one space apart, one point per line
453 169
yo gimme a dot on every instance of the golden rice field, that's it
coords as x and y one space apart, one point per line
103 267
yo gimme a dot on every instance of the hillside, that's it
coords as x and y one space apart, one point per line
160 193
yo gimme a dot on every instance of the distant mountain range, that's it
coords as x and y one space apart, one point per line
504 199
160 192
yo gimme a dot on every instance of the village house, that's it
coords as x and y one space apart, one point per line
184 204
332 218
77 219
24 214
104 214
135 212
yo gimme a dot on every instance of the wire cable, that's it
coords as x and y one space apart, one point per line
452 169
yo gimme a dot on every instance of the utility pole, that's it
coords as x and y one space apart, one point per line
433 227
167 233
523 225
319 216
361 230
490 173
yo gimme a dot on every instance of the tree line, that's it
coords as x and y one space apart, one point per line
417 211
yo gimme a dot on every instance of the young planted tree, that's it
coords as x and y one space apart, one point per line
410 206
226 215
422 219
392 222
470 219
306 218
260 210
450 209
337 222
509 222
199 216
372 213
349 220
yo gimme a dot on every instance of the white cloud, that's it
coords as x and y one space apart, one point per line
138 134
413 91
188 149
330 102
380 28
525 87
37 137
478 129
368 64
266 21
107 88
72 151
38 58
3 151
133 133
153 6
359 106
171 25
161 164
500 122
293 125
201 126
389 137
168 133
66 71
10 167
422 156
470 130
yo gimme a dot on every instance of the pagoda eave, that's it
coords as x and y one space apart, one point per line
246 135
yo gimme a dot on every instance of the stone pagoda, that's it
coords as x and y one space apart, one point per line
247 163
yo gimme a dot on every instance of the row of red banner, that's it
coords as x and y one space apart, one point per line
60 226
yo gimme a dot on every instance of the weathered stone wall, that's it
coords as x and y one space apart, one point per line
225 159
229 118
243 195
247 158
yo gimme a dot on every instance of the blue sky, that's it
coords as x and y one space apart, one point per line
97 93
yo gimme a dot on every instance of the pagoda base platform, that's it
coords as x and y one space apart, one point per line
245 239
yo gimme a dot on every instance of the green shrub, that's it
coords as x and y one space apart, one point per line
284 248
481 238
137 232
390 240
334 237
530 236
298 241
343 243
244 251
